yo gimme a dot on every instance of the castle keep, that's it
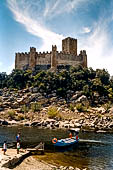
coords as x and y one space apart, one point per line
54 59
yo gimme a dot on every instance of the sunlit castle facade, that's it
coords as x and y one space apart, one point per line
53 59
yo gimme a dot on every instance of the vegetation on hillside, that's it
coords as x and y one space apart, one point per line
90 82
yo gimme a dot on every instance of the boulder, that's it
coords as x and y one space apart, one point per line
15 105
35 123
77 125
56 124
20 101
53 94
76 95
27 124
5 98
111 125
53 99
71 125
1 122
81 99
70 168
100 110
5 122
1 109
61 101
111 110
35 89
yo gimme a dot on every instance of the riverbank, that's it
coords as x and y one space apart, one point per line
28 107
23 161
94 119
38 164
12 160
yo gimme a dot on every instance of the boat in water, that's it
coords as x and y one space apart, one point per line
67 141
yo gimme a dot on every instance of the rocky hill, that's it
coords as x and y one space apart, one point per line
31 108
78 97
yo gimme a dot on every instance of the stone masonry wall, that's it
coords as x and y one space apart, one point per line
69 46
68 56
43 58
22 59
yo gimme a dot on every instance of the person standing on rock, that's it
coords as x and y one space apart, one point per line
18 137
18 147
4 147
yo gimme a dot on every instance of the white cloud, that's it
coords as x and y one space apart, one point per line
24 11
57 7
34 27
98 47
86 30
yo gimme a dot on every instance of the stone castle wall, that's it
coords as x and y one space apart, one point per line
43 58
21 59
68 56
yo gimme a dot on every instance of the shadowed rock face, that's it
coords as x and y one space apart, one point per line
67 57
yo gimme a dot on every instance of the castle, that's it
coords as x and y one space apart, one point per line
54 59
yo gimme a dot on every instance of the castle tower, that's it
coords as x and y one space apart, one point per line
32 59
53 57
84 55
84 58
69 45
16 60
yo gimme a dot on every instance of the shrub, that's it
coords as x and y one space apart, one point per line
11 113
71 107
20 117
52 112
99 116
80 107
107 106
24 109
35 106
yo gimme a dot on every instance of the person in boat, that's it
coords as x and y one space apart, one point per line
77 135
74 133
70 135
4 147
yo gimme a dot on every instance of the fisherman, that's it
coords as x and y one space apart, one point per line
4 147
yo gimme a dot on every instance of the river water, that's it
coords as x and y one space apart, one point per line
94 152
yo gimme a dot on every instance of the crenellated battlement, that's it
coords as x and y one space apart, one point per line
32 49
68 56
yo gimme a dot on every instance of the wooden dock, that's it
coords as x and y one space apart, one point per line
38 148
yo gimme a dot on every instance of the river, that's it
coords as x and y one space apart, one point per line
94 152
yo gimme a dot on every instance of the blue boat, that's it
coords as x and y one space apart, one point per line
67 141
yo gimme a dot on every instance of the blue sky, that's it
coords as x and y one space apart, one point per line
41 23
